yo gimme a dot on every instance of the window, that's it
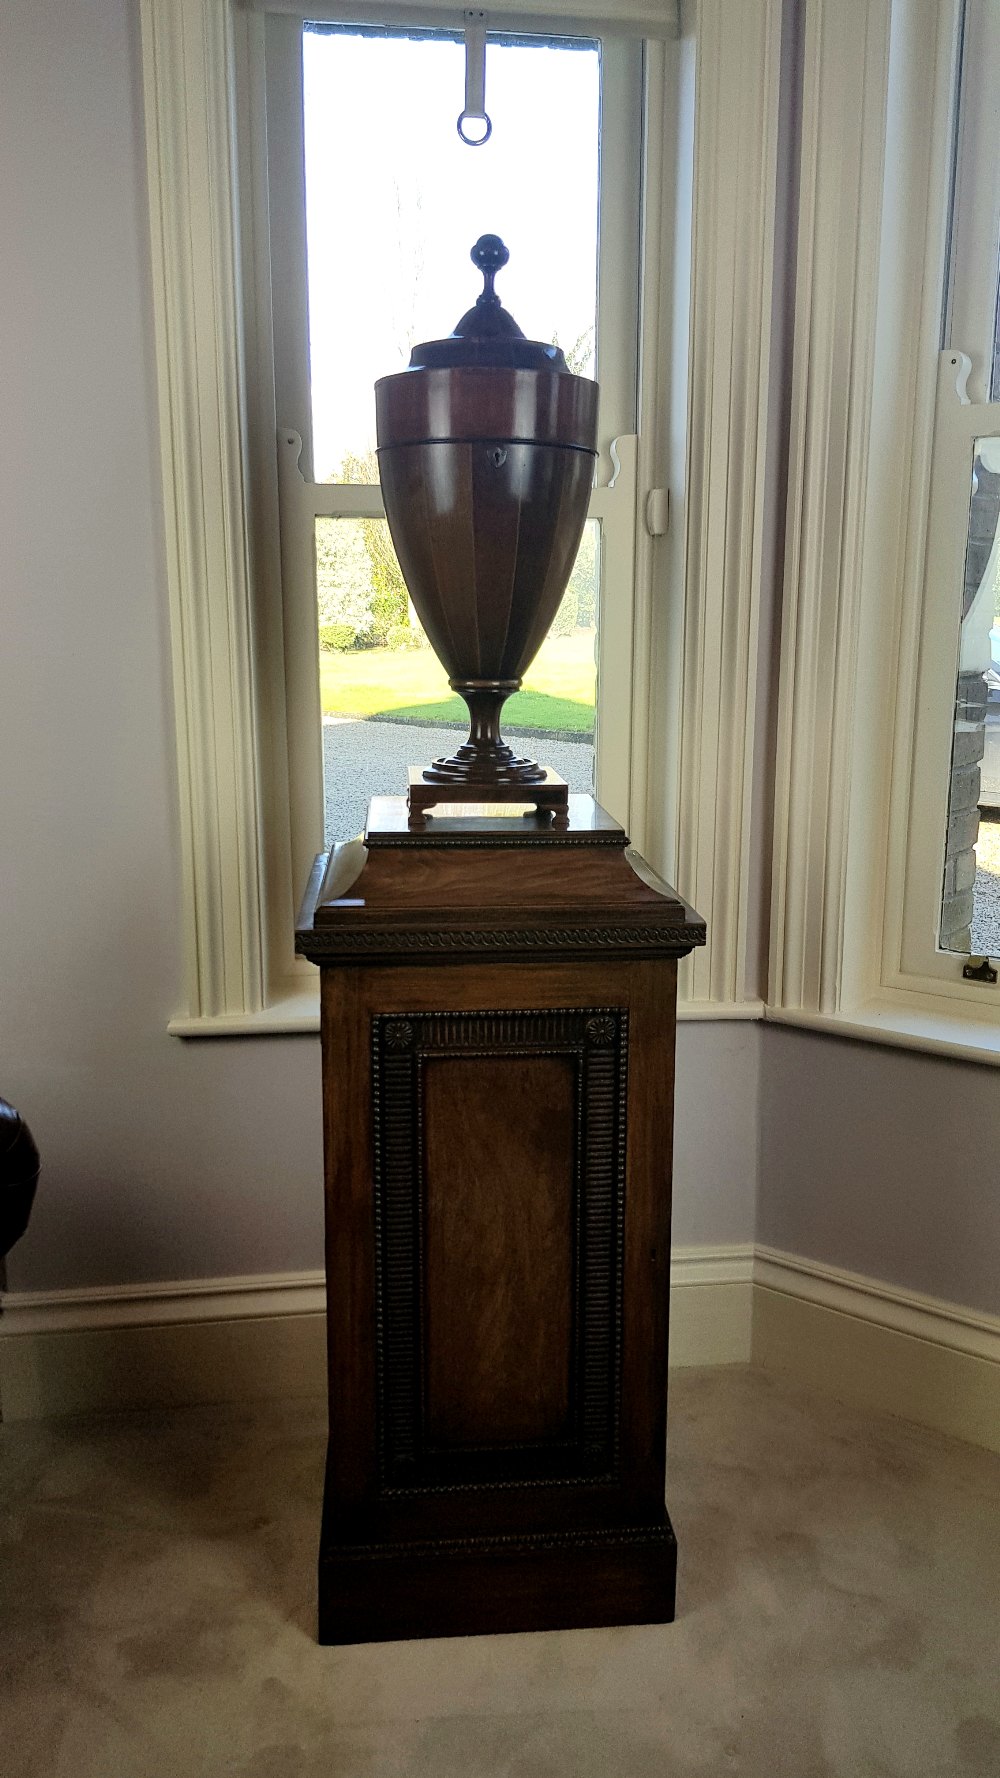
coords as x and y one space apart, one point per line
225 133
970 900
953 889
882 448
703 394
371 228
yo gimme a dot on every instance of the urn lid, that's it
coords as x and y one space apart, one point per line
487 336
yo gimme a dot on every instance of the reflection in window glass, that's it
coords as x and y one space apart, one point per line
970 902
386 701
394 202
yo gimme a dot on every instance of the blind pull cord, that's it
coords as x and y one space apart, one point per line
475 81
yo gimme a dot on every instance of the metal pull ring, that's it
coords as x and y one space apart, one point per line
475 80
477 117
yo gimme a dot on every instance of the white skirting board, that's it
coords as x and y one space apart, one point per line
875 1345
258 1338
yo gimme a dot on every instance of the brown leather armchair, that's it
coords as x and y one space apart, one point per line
19 1165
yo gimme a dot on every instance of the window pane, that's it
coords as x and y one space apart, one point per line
970 906
395 202
385 697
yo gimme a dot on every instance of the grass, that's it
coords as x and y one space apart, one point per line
409 685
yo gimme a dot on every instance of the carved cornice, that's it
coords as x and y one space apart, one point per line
324 944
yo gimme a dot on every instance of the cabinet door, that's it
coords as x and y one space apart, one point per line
498 1230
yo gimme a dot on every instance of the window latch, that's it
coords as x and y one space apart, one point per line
474 110
983 971
658 511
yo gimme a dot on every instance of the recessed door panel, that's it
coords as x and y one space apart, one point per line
499 1202
498 1196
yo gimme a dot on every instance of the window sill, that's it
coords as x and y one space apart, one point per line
712 1011
297 1013
904 1027
294 1014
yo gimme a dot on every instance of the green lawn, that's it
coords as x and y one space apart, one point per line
409 685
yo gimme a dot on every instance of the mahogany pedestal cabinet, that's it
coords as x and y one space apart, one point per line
498 1000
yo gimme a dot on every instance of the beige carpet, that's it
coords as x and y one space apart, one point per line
839 1604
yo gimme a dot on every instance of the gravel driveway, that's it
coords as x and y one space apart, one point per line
365 759
986 896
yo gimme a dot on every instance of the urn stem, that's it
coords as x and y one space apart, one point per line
485 757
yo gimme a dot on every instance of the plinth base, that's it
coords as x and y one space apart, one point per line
550 796
498 1021
481 1586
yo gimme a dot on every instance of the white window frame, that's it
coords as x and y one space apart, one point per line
959 422
707 398
302 500
865 709
963 412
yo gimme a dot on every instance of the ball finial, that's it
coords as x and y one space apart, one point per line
489 254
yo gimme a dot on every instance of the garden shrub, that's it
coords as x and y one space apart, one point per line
405 636
337 638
